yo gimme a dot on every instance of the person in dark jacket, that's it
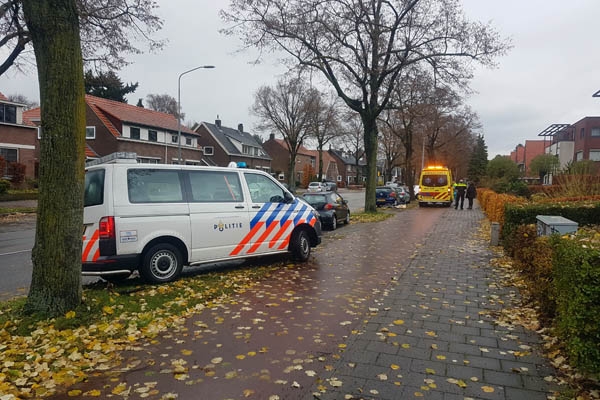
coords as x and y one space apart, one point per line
471 194
461 188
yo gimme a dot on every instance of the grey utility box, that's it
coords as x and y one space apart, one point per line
549 224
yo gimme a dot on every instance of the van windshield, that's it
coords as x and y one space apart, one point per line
94 188
434 180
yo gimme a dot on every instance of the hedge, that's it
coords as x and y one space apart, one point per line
576 274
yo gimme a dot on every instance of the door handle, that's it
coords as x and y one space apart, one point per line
255 206
239 206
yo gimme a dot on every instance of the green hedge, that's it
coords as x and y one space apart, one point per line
16 196
584 213
576 273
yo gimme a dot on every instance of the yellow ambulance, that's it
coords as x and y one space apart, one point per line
436 186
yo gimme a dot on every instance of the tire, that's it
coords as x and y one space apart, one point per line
300 245
162 263
347 220
118 278
334 222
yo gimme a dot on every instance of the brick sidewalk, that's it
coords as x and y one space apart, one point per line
432 334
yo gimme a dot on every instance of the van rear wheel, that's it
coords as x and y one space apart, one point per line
162 263
300 245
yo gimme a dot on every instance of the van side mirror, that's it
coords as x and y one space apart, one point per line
288 197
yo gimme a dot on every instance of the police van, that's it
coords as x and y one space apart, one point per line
158 218
435 186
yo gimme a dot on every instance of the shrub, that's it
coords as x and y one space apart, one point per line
576 268
18 172
533 257
4 186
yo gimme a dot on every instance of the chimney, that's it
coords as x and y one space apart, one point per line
218 122
272 136
241 128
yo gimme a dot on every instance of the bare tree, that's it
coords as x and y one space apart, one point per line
163 103
108 29
351 142
286 109
325 125
22 99
361 47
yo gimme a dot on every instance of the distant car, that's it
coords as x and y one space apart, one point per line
391 184
386 195
330 186
314 187
403 194
332 208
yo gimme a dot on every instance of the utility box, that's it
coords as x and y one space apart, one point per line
549 224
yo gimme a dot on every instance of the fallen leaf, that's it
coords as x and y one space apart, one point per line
487 389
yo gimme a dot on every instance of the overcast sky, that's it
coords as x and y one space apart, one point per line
548 77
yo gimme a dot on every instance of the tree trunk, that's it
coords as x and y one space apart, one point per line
370 138
56 279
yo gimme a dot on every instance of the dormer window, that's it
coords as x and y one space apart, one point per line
134 133
8 113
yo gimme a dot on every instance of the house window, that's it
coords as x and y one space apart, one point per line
582 133
595 132
148 160
174 138
8 113
39 130
594 155
209 150
579 156
245 149
90 132
134 133
339 178
281 177
10 156
188 141
152 136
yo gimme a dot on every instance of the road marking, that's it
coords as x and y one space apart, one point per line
14 252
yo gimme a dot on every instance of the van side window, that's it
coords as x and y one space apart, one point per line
94 188
215 186
154 186
263 189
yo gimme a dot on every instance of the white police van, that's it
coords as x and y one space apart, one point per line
157 218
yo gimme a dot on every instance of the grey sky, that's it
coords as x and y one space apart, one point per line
548 77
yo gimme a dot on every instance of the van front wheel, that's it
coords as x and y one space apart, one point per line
300 245
162 263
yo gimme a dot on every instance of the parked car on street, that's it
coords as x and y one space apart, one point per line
332 208
330 186
403 194
386 195
314 187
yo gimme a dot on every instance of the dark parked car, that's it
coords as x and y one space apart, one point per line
332 208
386 195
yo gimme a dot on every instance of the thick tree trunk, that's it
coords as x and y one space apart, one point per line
370 138
56 280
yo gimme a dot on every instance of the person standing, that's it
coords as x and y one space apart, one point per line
461 188
471 194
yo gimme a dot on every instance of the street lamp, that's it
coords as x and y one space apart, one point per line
179 108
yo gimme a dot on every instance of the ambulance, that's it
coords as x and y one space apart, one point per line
158 218
436 186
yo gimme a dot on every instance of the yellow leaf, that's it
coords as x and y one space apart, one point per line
395 367
240 356
74 393
440 357
405 346
487 389
342 346
120 388
430 371
107 310
398 322
418 394
93 393
186 352
248 392
431 333
70 315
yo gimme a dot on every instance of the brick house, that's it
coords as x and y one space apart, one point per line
112 126
224 145
350 172
279 152
586 135
18 137
523 154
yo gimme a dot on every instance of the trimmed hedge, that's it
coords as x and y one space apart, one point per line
584 213
4 186
576 271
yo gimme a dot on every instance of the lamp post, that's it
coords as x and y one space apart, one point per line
179 108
